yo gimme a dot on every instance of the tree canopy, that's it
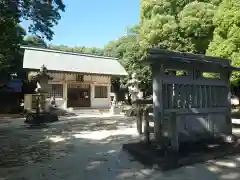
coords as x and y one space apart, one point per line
43 15
209 27
34 41
204 27
226 36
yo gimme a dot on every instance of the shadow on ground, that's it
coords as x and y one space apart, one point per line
86 149
87 143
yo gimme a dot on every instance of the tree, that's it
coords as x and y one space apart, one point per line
79 49
11 35
128 50
184 26
226 37
177 25
196 24
34 41
43 15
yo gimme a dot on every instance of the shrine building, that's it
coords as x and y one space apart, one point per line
78 80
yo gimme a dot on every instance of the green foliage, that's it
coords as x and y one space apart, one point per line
184 26
226 37
80 49
34 41
162 31
128 50
209 27
11 35
196 25
43 15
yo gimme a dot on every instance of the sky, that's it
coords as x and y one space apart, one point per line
93 23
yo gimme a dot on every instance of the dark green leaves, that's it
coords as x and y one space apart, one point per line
226 37
43 15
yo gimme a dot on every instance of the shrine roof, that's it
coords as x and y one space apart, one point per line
55 60
156 55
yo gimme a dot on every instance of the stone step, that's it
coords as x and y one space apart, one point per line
87 111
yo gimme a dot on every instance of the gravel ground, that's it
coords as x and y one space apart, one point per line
89 149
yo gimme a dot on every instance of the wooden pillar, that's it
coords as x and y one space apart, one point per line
92 89
174 132
65 94
146 125
158 72
225 76
139 119
109 94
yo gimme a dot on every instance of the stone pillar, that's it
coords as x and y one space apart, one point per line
28 101
43 103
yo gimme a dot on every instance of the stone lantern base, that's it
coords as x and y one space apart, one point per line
43 117
115 110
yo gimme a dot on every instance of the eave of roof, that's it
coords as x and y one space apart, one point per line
66 52
63 61
156 55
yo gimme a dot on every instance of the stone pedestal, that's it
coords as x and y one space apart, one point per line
28 102
115 110
33 118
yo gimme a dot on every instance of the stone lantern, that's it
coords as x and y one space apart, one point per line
43 113
42 86
133 88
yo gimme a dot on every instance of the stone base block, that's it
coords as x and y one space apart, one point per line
33 118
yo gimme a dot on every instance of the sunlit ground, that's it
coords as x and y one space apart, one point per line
90 149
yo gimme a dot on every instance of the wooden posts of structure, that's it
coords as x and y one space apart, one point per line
174 132
139 120
146 125
157 102
141 105
143 110
195 104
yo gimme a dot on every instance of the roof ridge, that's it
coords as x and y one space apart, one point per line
66 52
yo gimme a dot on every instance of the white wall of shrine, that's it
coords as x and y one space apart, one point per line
67 79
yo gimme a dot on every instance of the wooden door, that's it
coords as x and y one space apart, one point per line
79 97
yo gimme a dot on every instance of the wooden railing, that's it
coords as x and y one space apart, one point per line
181 96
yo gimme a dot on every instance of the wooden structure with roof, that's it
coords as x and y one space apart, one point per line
186 105
78 80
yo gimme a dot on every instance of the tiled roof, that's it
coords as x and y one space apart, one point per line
55 60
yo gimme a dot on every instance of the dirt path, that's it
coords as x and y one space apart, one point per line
89 149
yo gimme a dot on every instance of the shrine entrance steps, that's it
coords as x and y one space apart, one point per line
89 111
